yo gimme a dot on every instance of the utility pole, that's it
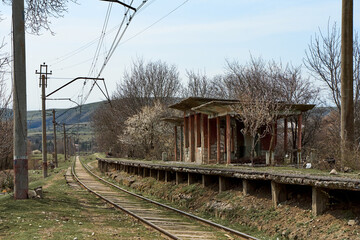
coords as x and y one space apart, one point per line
43 85
347 88
55 144
65 157
69 146
21 179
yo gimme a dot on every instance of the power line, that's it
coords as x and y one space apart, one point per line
156 22
114 45
101 39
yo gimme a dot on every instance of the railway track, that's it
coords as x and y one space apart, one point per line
171 222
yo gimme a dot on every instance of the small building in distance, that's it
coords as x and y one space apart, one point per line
210 132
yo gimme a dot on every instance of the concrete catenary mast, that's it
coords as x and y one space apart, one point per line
21 181
347 100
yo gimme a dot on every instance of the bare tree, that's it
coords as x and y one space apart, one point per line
199 85
39 12
323 61
5 116
149 82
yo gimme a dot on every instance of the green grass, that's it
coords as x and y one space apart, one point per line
64 213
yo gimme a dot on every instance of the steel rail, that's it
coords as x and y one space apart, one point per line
121 208
232 231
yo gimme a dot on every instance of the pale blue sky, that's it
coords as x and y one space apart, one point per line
199 35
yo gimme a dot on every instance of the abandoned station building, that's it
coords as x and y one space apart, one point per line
210 132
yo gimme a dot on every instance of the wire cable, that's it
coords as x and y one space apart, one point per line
101 40
156 22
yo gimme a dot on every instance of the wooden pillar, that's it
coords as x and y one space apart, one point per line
186 131
204 138
175 143
196 127
232 139
228 140
299 138
181 143
209 141
218 153
191 138
285 135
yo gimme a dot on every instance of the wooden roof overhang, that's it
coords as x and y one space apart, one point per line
192 102
222 108
217 108
177 121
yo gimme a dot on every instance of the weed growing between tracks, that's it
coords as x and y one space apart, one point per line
65 213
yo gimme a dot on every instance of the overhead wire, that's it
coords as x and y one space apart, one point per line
115 44
112 49
156 22
101 39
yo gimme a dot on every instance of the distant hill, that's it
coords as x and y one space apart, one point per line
68 116
77 121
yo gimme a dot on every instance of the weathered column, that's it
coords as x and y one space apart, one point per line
320 201
209 141
347 82
186 136
285 135
161 175
248 187
167 176
204 133
21 179
223 184
191 138
146 172
228 140
175 143
299 138
278 193
181 143
218 153
180 178
191 178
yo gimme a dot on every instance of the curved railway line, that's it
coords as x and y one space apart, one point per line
171 222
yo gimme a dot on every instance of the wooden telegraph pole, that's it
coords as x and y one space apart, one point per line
55 144
43 85
21 180
347 102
